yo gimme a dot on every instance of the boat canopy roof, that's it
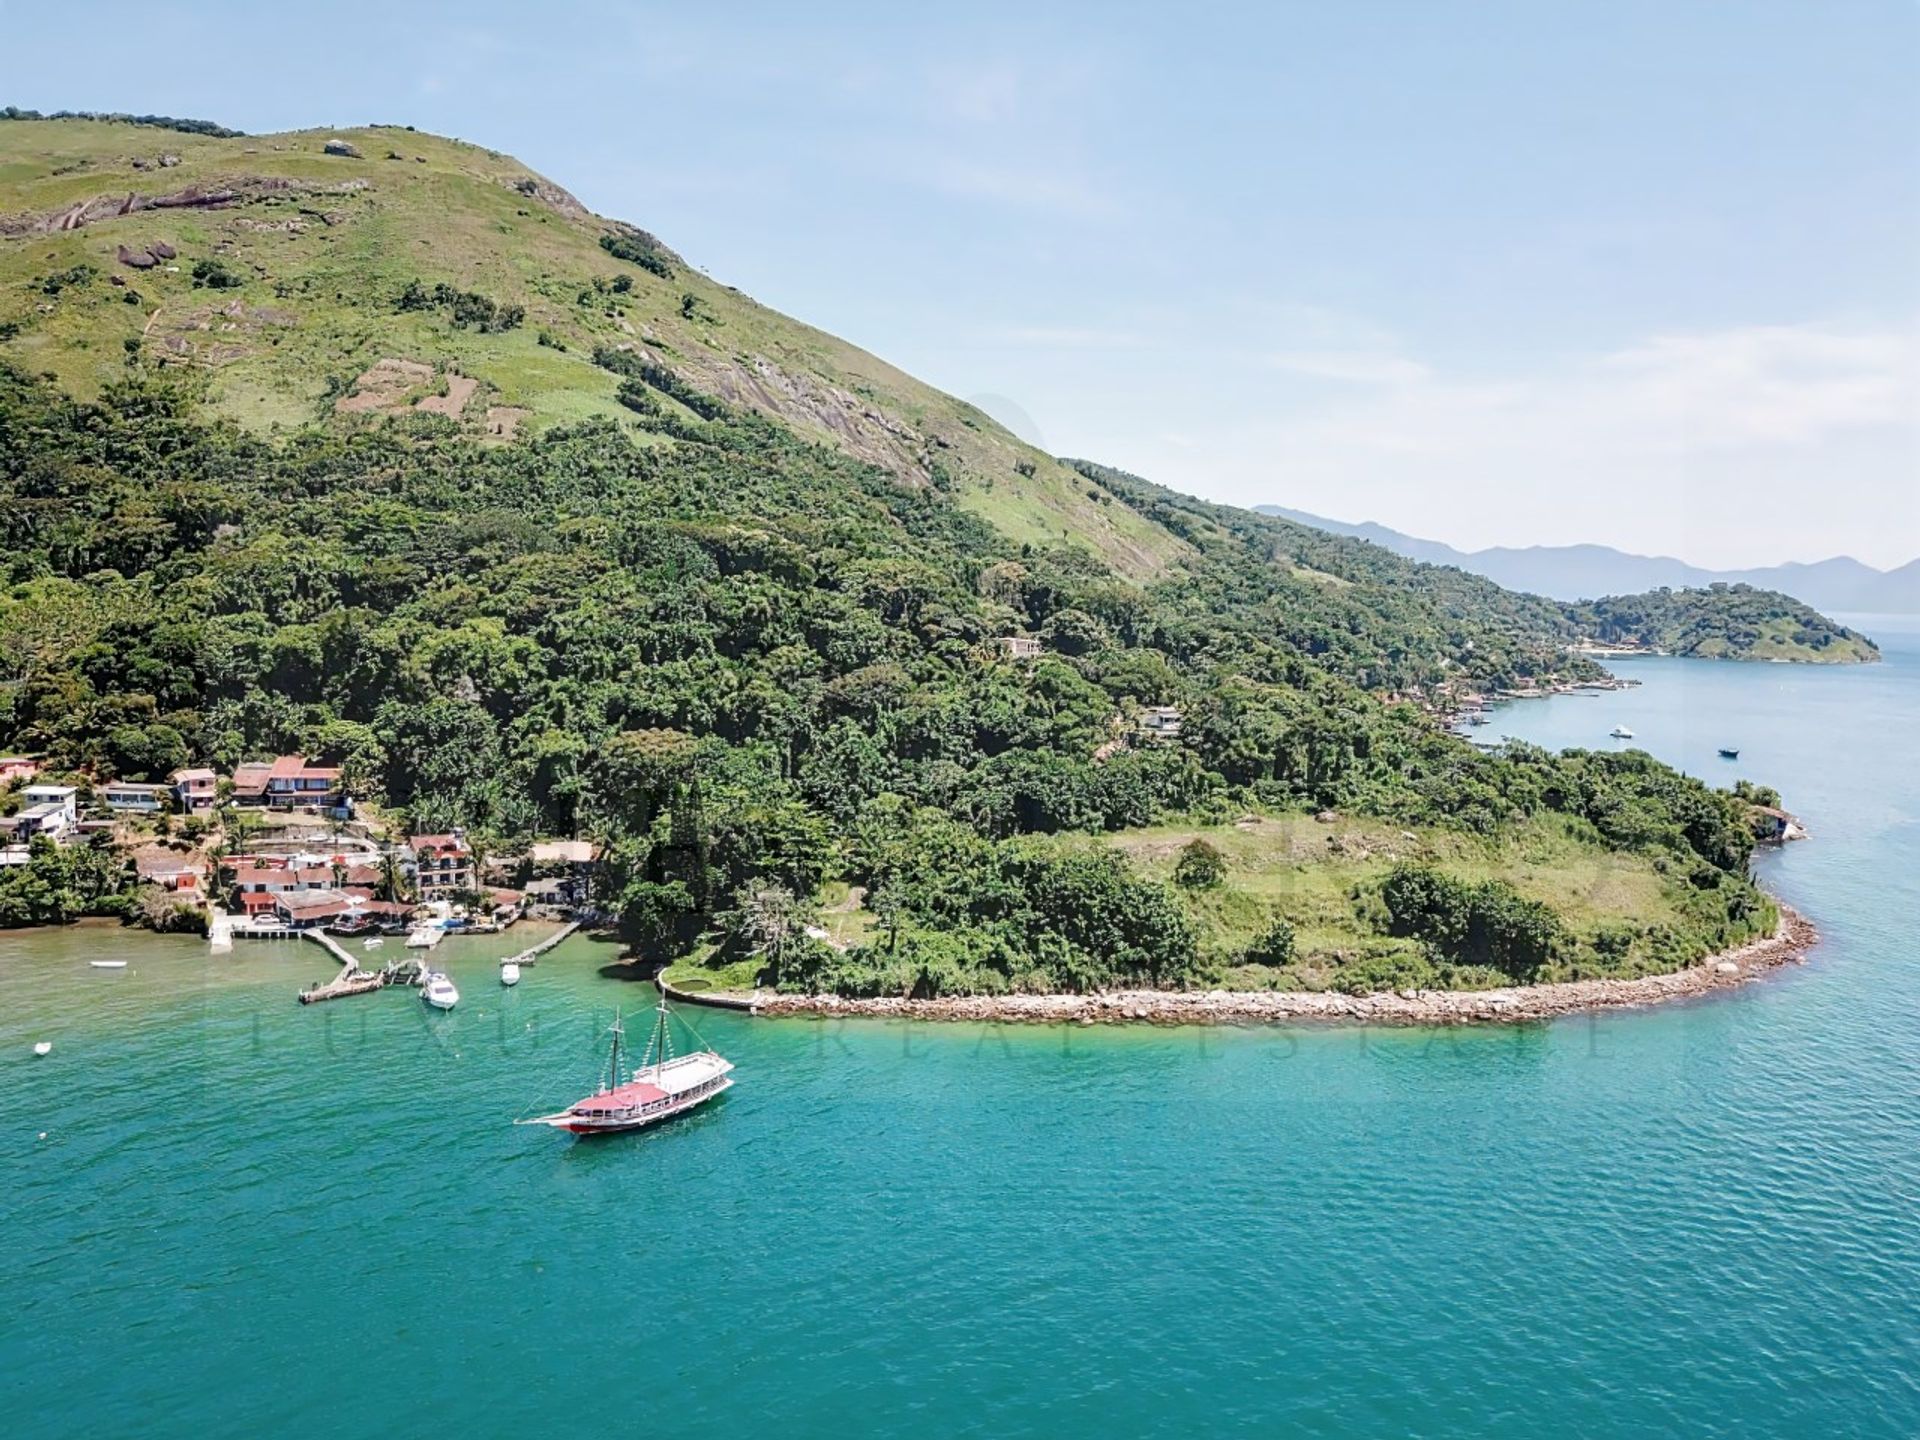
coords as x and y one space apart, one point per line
621 1097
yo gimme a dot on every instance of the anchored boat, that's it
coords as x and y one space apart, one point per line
668 1086
1729 752
1620 732
439 991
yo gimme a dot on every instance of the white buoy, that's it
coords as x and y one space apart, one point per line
43 1047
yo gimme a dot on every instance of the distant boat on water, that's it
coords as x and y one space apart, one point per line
108 964
509 972
1729 752
43 1047
1620 732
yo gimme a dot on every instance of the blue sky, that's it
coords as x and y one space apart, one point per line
1640 273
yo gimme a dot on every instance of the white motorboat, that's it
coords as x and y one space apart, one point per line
43 1047
509 972
374 944
1620 732
425 937
108 964
439 991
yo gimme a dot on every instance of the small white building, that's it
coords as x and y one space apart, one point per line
50 810
1160 722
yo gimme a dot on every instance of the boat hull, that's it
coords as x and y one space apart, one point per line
582 1125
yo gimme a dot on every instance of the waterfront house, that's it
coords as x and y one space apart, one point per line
133 796
170 870
442 865
195 790
49 810
569 863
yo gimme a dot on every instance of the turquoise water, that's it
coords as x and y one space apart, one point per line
251 1218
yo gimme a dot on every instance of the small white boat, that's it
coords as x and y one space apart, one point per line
509 972
43 1047
425 937
108 964
374 944
439 991
1620 732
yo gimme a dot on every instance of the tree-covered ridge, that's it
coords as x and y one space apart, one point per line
753 664
1736 622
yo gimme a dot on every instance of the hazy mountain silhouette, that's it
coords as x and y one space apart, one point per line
1586 572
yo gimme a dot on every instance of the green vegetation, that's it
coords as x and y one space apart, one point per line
737 612
1725 622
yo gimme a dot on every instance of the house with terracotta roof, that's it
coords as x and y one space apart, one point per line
442 865
170 869
17 767
288 783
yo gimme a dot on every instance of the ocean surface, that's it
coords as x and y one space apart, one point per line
223 1214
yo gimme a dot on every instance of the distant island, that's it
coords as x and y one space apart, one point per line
366 479
1723 622
1585 572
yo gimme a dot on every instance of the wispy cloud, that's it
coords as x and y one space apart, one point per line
1701 441
1356 367
1067 337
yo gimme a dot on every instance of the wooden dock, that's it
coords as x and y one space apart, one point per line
348 982
532 955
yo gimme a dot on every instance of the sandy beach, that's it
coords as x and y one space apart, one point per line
1510 1005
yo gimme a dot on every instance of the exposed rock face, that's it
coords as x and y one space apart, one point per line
551 196
138 259
337 146
201 195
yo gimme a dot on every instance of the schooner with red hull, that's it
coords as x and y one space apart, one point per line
656 1091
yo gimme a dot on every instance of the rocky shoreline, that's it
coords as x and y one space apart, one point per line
1511 1005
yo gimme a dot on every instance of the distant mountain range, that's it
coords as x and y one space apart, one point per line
1587 572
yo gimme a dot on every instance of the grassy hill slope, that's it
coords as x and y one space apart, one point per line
322 245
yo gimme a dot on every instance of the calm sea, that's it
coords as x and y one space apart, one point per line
249 1218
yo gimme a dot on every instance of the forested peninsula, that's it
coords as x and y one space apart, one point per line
534 531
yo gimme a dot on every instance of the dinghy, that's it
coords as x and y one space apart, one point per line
108 964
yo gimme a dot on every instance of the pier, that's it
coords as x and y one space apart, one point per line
532 955
352 980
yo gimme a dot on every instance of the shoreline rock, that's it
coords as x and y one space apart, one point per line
1514 1004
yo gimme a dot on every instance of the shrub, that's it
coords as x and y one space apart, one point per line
211 274
1201 866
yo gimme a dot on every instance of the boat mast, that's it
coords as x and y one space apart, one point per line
613 1065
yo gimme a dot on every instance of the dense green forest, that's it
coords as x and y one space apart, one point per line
1735 622
753 664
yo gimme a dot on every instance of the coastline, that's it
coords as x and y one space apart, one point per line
1514 1004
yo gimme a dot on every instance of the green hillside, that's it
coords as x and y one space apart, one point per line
733 597
1723 622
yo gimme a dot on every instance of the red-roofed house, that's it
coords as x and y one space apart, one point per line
442 864
288 783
